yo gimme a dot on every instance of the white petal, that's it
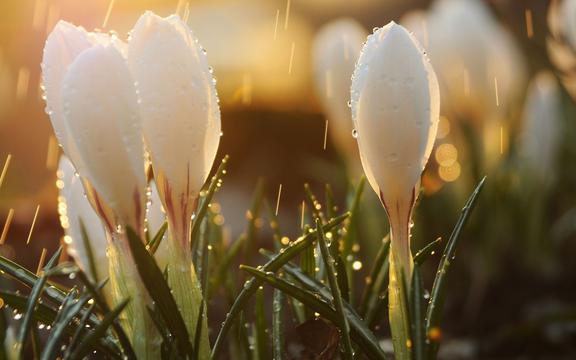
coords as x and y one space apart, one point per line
62 47
156 217
336 49
101 113
179 105
78 208
395 107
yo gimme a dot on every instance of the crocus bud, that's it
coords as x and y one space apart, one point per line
181 127
336 49
180 112
100 111
542 126
395 108
95 118
75 209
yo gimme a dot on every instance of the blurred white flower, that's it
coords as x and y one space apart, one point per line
78 209
479 64
395 108
336 49
561 43
180 112
542 126
93 107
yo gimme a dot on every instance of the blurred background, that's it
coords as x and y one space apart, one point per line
507 71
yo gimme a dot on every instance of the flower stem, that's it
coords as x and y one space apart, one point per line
135 319
186 288
401 267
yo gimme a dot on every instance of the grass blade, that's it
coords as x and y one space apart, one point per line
92 338
332 274
436 303
159 291
27 321
361 335
128 351
89 252
262 339
59 328
215 183
423 254
372 290
198 333
154 243
33 300
417 317
293 250
278 325
80 331
313 203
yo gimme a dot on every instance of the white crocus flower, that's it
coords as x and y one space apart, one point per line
180 112
101 113
395 108
336 49
542 126
94 110
181 126
95 125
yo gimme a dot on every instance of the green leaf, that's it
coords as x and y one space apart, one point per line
26 277
342 278
330 203
80 331
331 271
360 334
278 325
376 283
436 303
68 312
154 243
313 202
128 351
159 291
215 183
92 337
89 252
198 333
290 252
317 288
423 254
27 321
351 225
262 339
417 317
